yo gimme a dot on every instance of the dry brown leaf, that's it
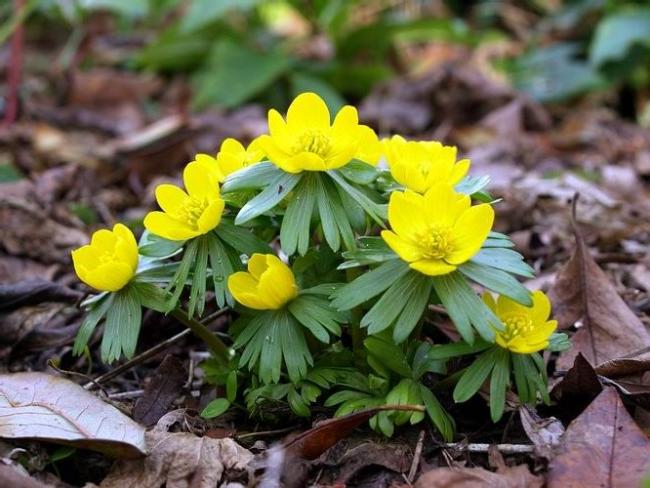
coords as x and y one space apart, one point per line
583 293
49 408
545 433
508 477
179 460
164 387
602 447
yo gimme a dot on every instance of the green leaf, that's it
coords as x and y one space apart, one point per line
251 177
440 418
498 281
151 296
389 354
499 382
618 33
152 246
465 308
241 239
297 403
199 278
372 250
182 272
474 376
268 198
559 342
128 8
457 349
505 260
359 172
315 314
222 268
389 306
216 407
521 381
369 285
231 386
174 51
472 184
123 320
234 73
96 312
332 212
203 12
373 209
328 216
423 362
416 303
296 223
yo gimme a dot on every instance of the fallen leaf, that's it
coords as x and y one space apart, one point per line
165 386
179 460
545 433
602 447
315 441
33 291
623 367
49 408
510 477
577 389
583 293
394 457
18 477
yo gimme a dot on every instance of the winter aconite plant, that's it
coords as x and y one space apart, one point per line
338 255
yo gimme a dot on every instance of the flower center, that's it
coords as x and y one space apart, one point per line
192 210
313 141
516 325
436 242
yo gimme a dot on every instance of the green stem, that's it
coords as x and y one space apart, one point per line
203 333
356 334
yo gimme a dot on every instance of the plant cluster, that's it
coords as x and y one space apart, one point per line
331 265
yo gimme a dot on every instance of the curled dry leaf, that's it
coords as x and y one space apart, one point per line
165 386
602 447
180 460
315 441
583 293
505 477
48 408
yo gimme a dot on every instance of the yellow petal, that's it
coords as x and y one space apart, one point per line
308 110
233 146
123 232
304 161
278 129
488 299
103 240
277 284
369 149
507 306
406 214
243 288
210 165
85 258
542 332
406 250
211 216
109 276
444 206
461 168
470 232
198 182
170 197
541 309
341 156
257 264
432 267
345 123
161 224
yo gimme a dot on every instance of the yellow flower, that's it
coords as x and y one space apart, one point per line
109 262
232 157
419 165
187 215
527 328
307 141
268 285
437 231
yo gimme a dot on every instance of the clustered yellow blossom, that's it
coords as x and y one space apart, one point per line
269 284
528 329
110 260
308 141
437 231
419 165
190 213
232 157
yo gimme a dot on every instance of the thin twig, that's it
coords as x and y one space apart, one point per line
264 433
126 395
137 359
504 448
416 457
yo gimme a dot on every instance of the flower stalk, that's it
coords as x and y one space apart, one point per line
202 332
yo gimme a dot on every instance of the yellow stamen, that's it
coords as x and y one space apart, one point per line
437 242
313 141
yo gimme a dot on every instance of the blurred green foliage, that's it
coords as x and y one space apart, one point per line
234 51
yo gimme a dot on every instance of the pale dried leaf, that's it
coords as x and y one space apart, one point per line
180 460
545 433
49 408
510 477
